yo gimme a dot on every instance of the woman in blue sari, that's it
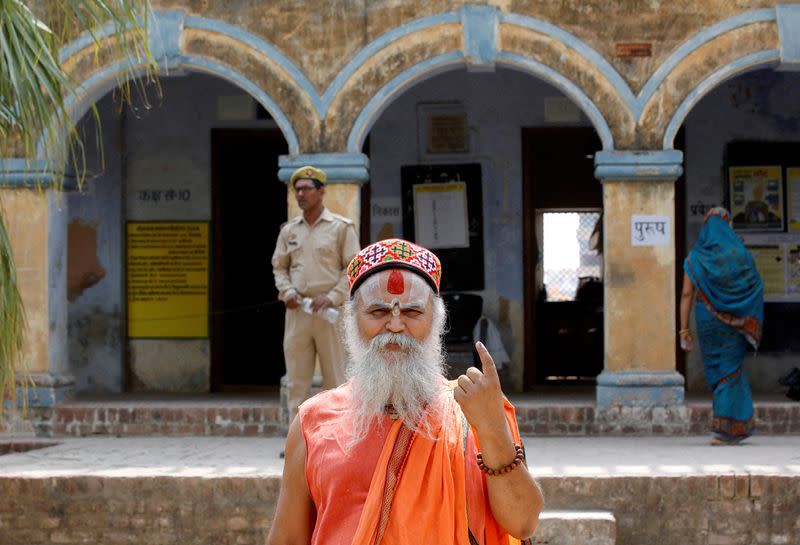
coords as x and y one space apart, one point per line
721 275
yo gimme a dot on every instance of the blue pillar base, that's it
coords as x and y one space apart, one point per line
46 390
640 389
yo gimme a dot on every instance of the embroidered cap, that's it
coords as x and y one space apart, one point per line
308 173
394 253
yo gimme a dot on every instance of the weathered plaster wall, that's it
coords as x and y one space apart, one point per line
25 215
96 311
762 105
321 35
164 147
495 127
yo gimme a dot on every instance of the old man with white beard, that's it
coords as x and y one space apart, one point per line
399 455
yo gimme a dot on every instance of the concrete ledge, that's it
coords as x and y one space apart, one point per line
571 527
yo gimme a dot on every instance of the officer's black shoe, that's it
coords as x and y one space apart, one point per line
794 393
792 379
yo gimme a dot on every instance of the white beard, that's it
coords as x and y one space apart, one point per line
410 379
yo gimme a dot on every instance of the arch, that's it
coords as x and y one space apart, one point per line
451 61
749 63
486 24
168 28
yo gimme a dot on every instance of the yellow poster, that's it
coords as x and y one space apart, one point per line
771 266
168 279
793 198
756 195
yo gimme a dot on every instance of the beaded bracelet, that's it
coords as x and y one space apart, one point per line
506 468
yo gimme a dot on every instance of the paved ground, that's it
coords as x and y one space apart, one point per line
548 456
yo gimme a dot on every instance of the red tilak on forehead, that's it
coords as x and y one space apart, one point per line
396 285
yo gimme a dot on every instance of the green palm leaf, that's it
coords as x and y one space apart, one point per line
33 89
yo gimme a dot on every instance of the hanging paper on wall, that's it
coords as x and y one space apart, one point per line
440 215
770 262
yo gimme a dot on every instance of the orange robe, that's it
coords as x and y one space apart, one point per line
396 487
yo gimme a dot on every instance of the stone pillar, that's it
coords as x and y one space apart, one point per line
639 284
346 172
35 214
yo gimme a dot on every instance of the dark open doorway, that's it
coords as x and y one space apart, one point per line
249 206
563 302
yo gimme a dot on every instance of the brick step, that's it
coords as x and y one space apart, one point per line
574 527
264 419
125 505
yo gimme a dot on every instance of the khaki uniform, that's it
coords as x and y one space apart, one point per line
310 260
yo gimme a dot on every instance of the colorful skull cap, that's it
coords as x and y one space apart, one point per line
394 253
310 173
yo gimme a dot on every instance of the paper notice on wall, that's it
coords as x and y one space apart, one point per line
168 279
650 230
386 217
771 265
440 215
793 270
793 205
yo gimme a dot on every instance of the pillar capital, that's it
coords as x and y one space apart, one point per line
638 165
340 167
34 173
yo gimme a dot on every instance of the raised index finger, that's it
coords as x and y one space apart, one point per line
489 369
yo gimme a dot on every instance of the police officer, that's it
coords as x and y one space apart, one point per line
310 258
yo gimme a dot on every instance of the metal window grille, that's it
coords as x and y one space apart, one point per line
567 253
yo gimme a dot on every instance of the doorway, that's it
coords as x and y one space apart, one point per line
562 205
249 205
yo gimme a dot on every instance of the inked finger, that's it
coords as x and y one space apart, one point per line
489 368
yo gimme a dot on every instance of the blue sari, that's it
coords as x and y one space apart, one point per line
729 313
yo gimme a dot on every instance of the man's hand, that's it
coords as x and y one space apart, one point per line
480 396
292 302
320 303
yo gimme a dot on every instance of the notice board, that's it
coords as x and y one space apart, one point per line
167 279
432 194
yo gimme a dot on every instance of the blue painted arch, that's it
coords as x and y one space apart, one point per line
455 60
106 79
755 61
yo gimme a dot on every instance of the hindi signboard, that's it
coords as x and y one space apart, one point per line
168 279
650 230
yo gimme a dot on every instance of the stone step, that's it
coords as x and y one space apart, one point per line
222 491
575 527
265 418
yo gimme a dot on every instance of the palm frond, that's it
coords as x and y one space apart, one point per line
33 91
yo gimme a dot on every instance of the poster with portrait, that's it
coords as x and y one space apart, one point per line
756 197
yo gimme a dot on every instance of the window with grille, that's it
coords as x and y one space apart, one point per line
568 253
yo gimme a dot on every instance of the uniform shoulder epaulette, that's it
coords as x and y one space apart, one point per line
296 219
342 218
